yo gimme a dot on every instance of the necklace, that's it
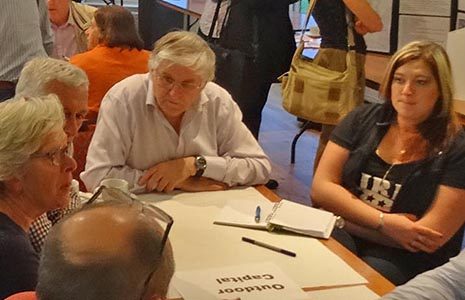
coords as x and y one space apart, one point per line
391 166
387 173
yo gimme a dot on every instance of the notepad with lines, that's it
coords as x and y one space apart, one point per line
283 215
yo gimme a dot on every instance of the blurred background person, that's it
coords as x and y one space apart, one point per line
69 21
394 171
43 76
35 177
115 52
25 32
262 29
330 15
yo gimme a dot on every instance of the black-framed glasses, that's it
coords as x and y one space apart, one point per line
118 196
56 157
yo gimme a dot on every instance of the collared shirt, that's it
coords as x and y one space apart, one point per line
25 34
65 44
133 135
443 283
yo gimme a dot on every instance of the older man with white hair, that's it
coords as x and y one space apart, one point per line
43 76
173 128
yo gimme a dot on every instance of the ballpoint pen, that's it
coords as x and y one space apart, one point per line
271 247
258 211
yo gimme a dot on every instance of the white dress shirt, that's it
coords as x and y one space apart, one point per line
133 135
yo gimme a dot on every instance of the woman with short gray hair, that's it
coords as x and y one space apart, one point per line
35 177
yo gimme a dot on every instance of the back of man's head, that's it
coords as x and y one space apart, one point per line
39 73
105 252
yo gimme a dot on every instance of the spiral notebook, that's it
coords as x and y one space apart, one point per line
282 215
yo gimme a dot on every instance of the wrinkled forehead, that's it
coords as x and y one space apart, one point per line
71 97
177 71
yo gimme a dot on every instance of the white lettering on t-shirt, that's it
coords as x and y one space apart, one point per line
377 192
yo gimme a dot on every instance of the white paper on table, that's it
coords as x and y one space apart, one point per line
456 49
198 244
359 292
426 7
381 41
242 213
413 28
263 281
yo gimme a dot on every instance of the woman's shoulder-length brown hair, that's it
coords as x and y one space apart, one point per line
117 27
442 125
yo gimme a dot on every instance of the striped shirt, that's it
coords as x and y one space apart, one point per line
25 31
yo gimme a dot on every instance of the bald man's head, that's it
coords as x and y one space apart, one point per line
107 251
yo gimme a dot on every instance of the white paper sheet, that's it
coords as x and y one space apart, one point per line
456 49
199 244
380 41
412 28
425 7
263 281
359 292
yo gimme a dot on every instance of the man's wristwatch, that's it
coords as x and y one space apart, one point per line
340 222
200 165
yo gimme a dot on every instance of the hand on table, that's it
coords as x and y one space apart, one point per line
410 235
201 184
167 175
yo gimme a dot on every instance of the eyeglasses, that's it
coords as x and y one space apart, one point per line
168 83
56 157
117 196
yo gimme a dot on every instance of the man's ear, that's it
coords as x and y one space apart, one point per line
13 186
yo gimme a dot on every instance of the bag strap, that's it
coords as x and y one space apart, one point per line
350 30
215 18
350 26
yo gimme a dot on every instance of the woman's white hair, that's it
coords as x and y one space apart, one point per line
38 73
24 124
186 49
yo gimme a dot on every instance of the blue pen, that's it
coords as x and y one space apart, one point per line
258 211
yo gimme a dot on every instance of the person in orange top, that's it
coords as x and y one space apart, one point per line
115 53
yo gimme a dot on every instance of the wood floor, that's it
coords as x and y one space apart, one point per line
277 131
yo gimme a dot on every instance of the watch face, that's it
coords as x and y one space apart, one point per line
340 222
200 162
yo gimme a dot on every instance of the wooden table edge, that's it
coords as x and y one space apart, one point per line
376 282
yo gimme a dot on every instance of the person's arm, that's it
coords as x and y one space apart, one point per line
45 29
446 214
107 155
366 17
328 193
443 283
240 160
